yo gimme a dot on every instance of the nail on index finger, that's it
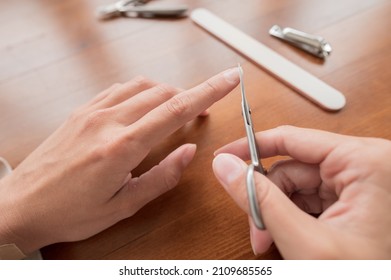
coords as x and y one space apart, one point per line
177 111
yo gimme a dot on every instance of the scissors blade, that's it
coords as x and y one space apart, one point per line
246 111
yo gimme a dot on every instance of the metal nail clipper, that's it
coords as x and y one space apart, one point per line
138 8
313 44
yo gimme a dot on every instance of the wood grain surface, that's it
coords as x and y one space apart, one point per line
55 56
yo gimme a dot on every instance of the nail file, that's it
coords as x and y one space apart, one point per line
300 80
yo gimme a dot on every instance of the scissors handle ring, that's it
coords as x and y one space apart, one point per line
253 199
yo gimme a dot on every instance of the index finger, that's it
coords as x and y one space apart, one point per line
183 107
303 144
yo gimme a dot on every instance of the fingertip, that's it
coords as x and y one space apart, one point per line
218 86
188 153
238 148
228 169
261 240
232 75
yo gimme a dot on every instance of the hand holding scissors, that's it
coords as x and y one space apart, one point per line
324 175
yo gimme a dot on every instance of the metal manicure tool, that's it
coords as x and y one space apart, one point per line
255 158
313 44
138 8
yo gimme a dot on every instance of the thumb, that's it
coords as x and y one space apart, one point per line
296 234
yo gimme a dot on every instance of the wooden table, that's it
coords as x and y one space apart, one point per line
55 55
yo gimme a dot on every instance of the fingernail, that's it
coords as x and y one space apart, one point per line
227 168
260 240
252 242
204 113
188 154
232 75
217 152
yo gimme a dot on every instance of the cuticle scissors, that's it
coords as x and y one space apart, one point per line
255 158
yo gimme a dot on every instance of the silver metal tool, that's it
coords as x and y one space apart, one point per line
255 158
137 8
313 44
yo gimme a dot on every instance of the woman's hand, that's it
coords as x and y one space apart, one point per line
79 181
347 180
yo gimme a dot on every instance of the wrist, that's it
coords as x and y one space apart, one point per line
13 228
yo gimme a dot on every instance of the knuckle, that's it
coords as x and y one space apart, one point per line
283 129
99 152
164 90
118 145
132 135
94 119
115 86
114 146
171 179
108 148
284 181
209 89
142 82
179 106
105 144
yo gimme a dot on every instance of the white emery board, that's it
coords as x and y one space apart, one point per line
300 80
